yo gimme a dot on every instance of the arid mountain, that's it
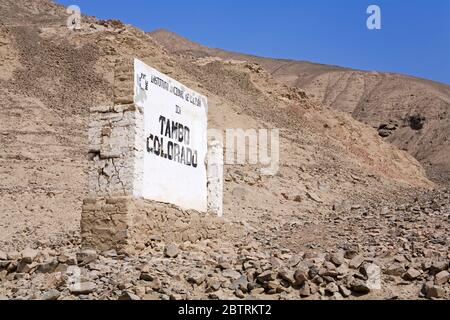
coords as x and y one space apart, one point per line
411 113
342 193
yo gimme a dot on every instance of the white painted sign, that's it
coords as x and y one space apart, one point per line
175 121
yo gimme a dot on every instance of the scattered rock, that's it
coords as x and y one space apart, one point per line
300 277
395 269
47 267
438 266
83 288
412 274
240 284
24 267
67 259
13 255
337 259
344 291
442 278
29 255
314 197
51 295
128 296
360 286
231 274
86 256
305 290
266 276
171 251
287 276
3 255
430 290
196 277
356 262
331 288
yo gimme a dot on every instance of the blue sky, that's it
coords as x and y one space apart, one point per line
414 38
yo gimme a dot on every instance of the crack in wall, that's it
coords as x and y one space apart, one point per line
118 177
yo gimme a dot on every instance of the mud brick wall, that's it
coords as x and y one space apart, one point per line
116 151
128 224
115 216
116 135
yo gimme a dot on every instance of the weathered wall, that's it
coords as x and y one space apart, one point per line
115 151
128 224
115 215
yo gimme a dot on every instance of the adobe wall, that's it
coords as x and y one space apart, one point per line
115 216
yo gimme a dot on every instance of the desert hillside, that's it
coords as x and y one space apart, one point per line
342 192
411 113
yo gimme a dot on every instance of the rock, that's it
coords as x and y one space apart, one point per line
212 285
395 269
314 197
3 255
25 267
151 297
356 262
240 284
313 271
276 263
372 274
51 295
171 251
274 287
140 291
29 255
438 266
47 267
239 294
412 274
68 259
231 274
266 276
287 276
195 278
331 288
128 296
342 269
344 291
360 286
351 251
300 277
257 291
442 278
109 254
86 256
13 255
430 290
305 290
82 288
337 259
223 263
154 285
4 264
147 276
3 298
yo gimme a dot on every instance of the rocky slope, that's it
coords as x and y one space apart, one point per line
340 187
411 113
